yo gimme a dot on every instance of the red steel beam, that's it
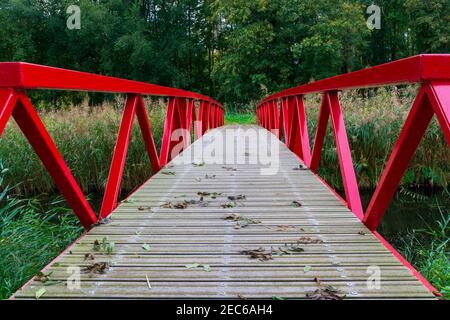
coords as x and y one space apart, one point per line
34 130
120 154
421 68
430 100
20 75
146 130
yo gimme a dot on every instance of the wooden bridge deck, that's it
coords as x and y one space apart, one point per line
156 248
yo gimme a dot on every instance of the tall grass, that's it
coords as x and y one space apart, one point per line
86 137
31 235
429 251
374 119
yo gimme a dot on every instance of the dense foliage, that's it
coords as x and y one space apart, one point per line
235 50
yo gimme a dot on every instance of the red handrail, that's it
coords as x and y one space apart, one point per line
431 71
17 77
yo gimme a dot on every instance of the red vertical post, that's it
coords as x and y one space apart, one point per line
200 119
412 132
34 130
439 95
321 130
167 134
286 123
296 140
147 135
345 156
190 118
276 122
8 100
120 154
206 123
303 128
290 105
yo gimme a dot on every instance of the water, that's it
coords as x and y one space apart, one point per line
411 210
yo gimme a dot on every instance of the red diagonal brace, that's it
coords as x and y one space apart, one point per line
144 124
8 100
430 99
34 130
331 106
119 157
168 125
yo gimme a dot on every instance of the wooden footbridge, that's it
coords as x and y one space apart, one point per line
257 224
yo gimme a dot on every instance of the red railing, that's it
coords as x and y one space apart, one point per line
431 71
17 77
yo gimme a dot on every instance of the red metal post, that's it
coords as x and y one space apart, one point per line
207 115
168 125
34 130
275 117
331 106
120 154
285 117
345 156
303 128
201 116
147 135
321 130
412 132
439 95
190 118
8 100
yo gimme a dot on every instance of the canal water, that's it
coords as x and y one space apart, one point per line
412 210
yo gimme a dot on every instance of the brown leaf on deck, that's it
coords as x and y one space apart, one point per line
96 268
229 168
261 254
238 197
296 204
308 240
228 205
326 293
89 256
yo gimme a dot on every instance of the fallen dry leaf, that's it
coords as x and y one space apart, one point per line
261 254
296 204
308 240
89 256
327 293
97 268
238 197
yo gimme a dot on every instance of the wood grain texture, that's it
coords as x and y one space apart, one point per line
154 241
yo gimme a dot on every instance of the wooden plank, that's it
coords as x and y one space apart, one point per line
340 254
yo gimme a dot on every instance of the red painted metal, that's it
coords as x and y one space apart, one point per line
417 69
190 119
25 76
303 130
430 100
166 139
8 101
331 107
147 135
34 130
17 77
431 71
120 155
